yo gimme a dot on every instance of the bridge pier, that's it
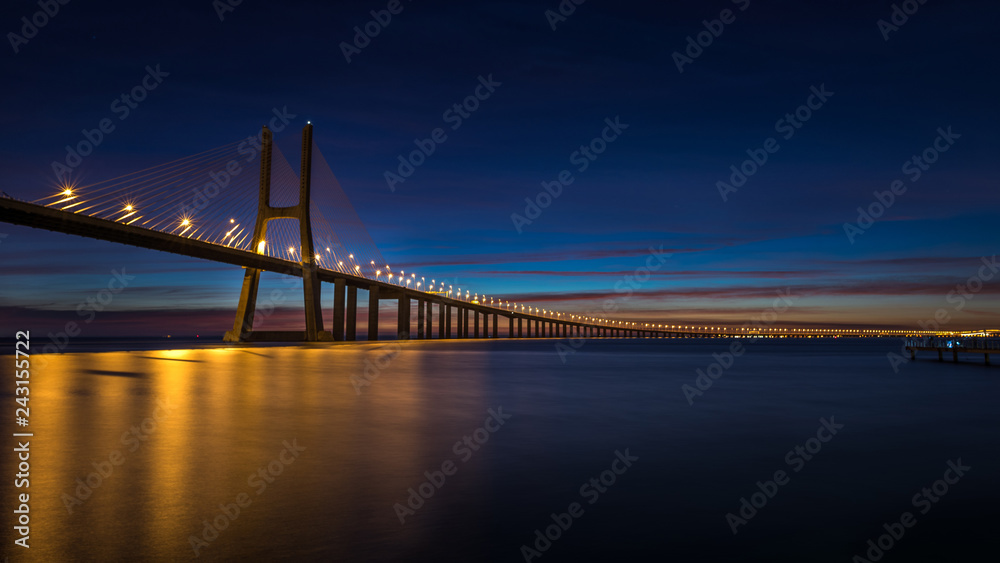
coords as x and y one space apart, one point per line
311 286
430 320
420 319
510 327
441 326
403 321
339 285
373 312
352 313
475 320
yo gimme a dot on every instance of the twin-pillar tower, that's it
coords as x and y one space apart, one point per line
243 325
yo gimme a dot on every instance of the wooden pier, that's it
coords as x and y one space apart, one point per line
953 345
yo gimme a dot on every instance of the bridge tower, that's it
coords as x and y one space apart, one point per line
243 325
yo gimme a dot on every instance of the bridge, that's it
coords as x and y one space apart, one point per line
216 224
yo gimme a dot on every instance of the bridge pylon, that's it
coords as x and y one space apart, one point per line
243 325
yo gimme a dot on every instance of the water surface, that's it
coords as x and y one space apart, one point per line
191 430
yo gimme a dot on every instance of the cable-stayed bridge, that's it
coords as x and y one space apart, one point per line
170 208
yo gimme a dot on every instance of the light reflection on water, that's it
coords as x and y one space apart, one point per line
223 414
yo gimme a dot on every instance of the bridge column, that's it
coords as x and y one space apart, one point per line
403 321
465 322
243 325
441 308
352 313
510 327
475 320
373 312
430 320
338 308
447 321
311 286
496 328
520 327
420 319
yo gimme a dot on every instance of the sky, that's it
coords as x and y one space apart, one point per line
732 169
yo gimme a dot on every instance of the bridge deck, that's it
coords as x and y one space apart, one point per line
984 346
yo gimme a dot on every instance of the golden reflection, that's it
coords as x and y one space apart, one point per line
169 439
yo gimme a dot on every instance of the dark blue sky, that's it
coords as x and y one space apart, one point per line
655 185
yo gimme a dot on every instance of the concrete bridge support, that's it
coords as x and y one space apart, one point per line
351 333
373 313
311 287
339 286
430 320
403 322
441 326
420 318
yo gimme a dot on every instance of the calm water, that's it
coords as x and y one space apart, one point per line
353 447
